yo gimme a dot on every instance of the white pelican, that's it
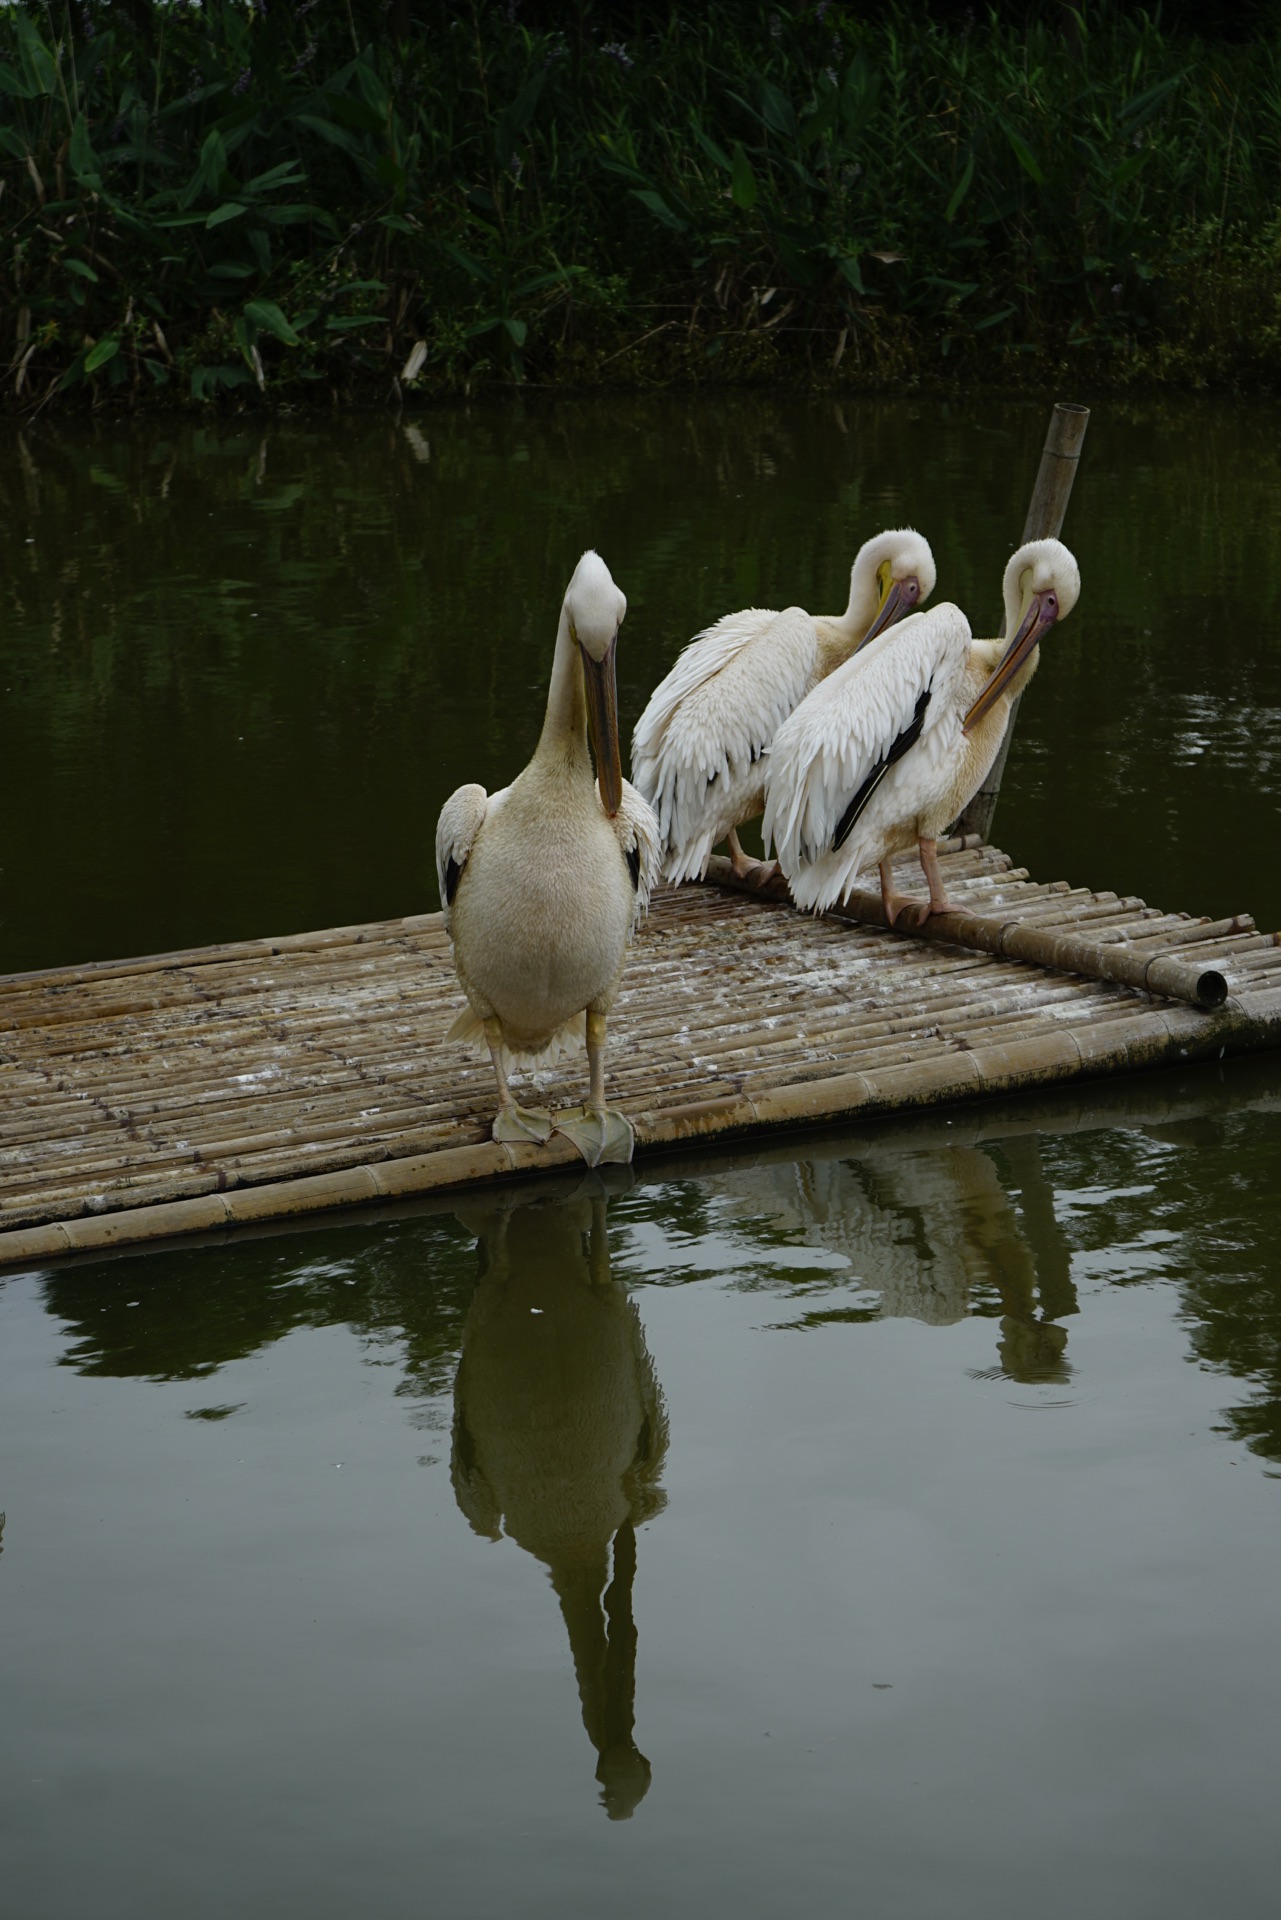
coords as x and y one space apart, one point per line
885 753
544 883
698 746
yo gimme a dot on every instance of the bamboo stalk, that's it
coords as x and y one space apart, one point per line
1016 940
1045 514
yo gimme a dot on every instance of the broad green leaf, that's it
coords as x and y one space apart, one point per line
244 333
626 170
213 161
660 209
960 190
229 210
468 263
1128 168
353 113
397 223
518 330
16 88
514 119
39 68
106 349
12 142
336 135
297 214
340 322
1139 108
267 315
1024 155
83 163
288 174
710 148
743 185
79 266
776 110
370 82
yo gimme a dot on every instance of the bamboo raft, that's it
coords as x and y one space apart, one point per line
271 1079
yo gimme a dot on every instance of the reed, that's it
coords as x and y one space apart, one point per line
292 201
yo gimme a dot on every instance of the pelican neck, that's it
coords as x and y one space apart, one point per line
565 720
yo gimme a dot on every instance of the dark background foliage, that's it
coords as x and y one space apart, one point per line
355 197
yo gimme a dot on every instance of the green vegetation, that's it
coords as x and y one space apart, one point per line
205 202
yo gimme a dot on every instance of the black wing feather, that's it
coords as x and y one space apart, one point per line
908 738
453 874
633 866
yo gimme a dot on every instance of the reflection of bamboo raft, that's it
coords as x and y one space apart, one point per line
178 1094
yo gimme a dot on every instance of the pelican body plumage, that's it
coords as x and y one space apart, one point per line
888 751
543 883
700 747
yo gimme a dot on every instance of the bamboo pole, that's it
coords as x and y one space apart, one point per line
1013 939
1044 521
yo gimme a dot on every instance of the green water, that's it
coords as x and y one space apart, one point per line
240 670
881 1523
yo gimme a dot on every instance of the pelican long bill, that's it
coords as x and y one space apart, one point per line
602 723
1036 622
901 599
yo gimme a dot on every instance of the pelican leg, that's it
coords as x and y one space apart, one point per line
513 1123
892 901
599 1132
939 902
755 872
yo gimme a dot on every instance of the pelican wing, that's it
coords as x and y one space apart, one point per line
707 654
456 830
712 719
832 758
638 837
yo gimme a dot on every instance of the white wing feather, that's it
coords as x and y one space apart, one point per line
456 830
837 737
638 833
697 747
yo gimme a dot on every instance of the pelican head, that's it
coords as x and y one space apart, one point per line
594 609
902 566
1042 585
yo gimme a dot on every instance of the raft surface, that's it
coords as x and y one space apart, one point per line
175 1094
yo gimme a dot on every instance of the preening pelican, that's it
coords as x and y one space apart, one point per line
543 883
885 753
697 753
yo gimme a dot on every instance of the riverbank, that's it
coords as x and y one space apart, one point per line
234 206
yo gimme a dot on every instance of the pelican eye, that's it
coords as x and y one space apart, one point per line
1050 604
910 589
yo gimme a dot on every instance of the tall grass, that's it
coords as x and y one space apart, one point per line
195 201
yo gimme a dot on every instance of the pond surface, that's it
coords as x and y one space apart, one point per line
240 669
877 1524
881 1529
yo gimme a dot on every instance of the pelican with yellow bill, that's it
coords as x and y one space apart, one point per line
543 883
885 754
701 746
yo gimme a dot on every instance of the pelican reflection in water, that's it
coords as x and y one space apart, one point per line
560 1434
929 1228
